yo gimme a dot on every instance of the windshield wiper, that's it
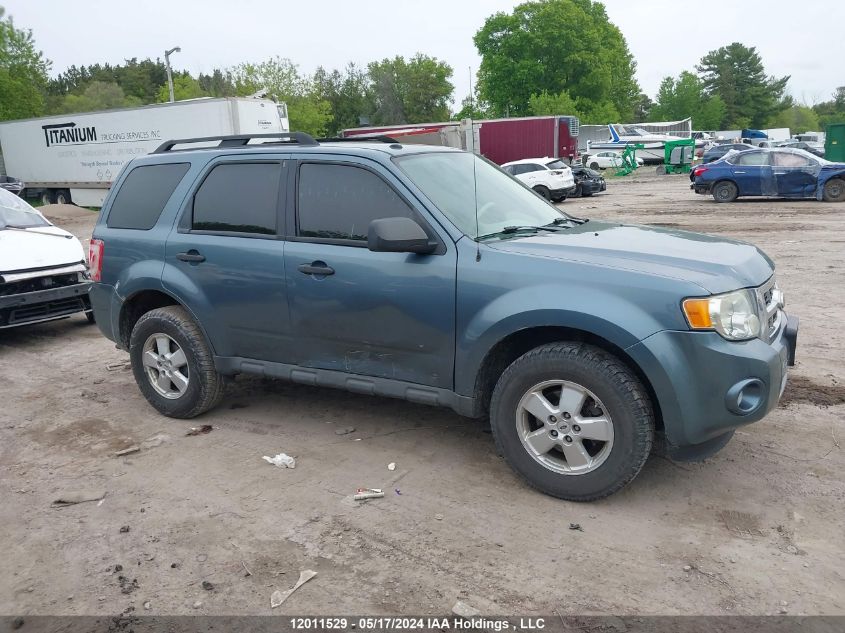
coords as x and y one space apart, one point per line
510 230
25 229
562 220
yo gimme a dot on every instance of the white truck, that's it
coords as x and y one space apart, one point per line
74 158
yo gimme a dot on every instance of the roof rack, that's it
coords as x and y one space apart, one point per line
362 138
238 140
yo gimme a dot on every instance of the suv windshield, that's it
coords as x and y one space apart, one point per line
15 213
451 180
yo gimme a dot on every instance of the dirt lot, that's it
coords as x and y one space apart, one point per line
756 530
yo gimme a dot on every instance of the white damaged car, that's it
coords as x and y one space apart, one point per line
43 272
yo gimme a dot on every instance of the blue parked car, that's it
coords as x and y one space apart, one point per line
429 274
776 173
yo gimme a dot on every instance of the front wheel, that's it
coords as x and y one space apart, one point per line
834 190
594 166
173 365
572 420
724 191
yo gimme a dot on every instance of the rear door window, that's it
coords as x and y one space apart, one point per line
751 159
238 198
143 194
338 202
791 159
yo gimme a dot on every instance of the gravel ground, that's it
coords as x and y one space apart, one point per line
755 530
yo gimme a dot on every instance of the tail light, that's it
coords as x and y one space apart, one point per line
556 172
95 259
698 171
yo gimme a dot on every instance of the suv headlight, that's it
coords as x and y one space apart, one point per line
733 314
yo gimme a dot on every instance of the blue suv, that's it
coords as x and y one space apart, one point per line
429 274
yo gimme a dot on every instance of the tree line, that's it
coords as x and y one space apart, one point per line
544 57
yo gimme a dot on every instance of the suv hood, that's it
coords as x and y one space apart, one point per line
41 247
716 264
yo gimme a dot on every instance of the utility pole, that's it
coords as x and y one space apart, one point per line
167 54
471 104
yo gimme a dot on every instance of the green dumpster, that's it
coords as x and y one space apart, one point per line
834 145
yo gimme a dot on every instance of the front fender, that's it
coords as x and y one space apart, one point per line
822 181
608 315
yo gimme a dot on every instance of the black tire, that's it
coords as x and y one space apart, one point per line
63 197
543 191
624 398
594 166
205 386
724 191
90 316
834 190
47 197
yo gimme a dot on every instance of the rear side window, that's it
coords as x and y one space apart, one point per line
143 194
751 159
238 198
340 201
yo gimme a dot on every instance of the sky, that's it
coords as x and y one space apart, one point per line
665 36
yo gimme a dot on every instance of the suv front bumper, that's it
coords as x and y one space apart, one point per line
44 305
706 386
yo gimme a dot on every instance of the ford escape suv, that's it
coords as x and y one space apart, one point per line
429 274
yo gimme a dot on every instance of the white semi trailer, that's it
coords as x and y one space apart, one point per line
76 157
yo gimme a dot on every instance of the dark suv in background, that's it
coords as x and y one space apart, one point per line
428 274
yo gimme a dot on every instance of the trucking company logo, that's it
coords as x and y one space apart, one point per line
68 134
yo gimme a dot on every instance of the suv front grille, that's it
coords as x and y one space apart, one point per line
770 300
38 283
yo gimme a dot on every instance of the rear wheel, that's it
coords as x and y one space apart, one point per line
724 191
173 365
543 191
572 420
47 197
834 190
63 197
661 170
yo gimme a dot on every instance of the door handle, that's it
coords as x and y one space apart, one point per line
739 172
192 256
315 268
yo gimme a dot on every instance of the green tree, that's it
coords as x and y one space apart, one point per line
556 46
98 95
217 84
685 97
184 87
798 119
23 72
735 73
546 103
832 111
280 78
472 108
413 91
347 93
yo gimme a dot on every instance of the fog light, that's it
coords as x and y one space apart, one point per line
745 397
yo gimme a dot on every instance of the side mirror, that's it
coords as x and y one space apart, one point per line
398 235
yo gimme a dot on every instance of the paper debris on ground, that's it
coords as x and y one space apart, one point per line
463 610
281 460
279 597
368 493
